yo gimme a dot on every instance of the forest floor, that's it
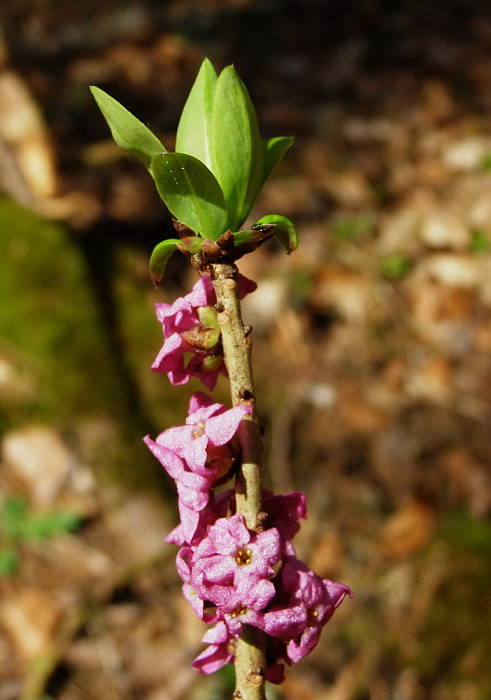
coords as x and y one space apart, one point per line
372 345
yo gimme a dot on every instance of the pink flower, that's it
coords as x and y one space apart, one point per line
184 570
220 652
231 567
203 441
194 524
284 512
193 489
307 603
180 318
197 455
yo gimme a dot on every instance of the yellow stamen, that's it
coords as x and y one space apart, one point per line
199 430
239 610
243 557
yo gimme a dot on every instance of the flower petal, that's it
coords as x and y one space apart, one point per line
173 465
217 634
221 429
297 650
202 294
212 659
170 354
201 407
229 534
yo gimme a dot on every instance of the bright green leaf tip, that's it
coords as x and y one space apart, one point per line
160 257
128 132
286 233
237 160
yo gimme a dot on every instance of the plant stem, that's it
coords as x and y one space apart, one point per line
250 657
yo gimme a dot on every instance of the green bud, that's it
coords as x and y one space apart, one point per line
201 338
209 317
211 363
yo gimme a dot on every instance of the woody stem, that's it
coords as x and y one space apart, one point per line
250 656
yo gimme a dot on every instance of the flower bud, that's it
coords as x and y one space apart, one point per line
201 338
211 363
208 317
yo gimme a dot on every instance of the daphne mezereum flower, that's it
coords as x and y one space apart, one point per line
308 602
204 442
184 354
232 567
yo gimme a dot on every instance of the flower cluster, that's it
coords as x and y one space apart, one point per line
192 343
233 575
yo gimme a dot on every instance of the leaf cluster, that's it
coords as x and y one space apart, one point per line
212 180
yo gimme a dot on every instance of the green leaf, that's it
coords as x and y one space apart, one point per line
50 524
129 132
14 516
191 192
160 257
236 146
194 133
9 561
273 151
286 233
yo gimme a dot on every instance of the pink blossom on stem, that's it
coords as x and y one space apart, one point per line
184 570
180 317
193 525
193 489
284 512
231 567
204 441
196 456
220 651
307 603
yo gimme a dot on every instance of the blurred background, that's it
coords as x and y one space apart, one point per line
371 343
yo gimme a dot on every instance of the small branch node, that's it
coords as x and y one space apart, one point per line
246 395
261 517
254 676
230 283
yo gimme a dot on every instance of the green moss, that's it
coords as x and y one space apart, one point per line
49 325
64 359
